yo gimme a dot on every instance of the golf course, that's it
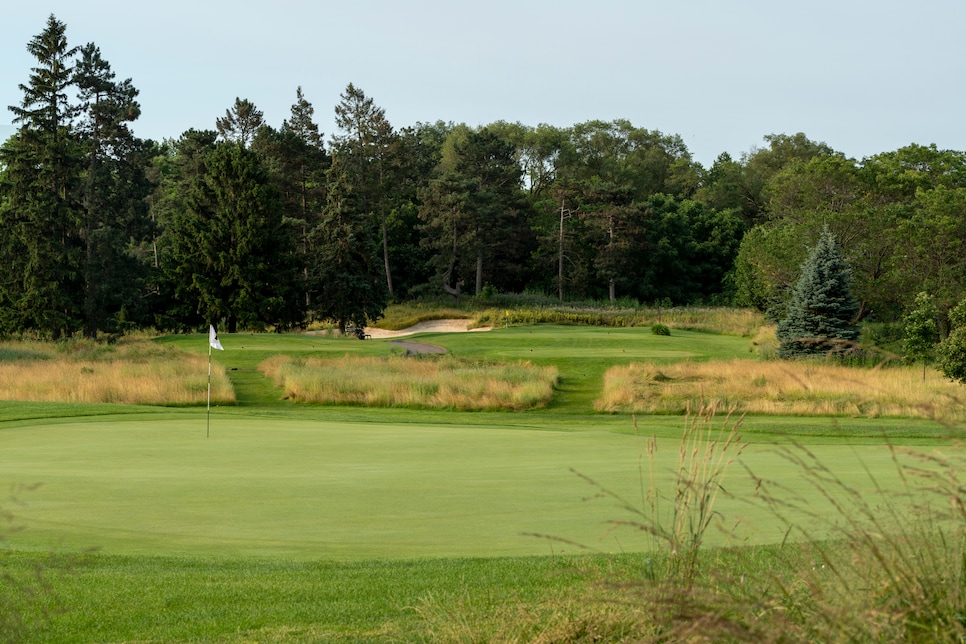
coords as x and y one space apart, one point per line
263 517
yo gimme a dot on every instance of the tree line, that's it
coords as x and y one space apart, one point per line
251 225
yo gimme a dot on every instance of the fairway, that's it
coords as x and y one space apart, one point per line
290 488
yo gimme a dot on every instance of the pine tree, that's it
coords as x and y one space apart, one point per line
229 252
41 285
366 144
113 193
820 316
240 123
347 285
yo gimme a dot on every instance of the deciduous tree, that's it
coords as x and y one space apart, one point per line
920 331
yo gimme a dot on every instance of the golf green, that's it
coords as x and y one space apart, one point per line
297 488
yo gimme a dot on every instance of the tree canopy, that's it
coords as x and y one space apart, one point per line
255 225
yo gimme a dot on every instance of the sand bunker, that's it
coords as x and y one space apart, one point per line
430 326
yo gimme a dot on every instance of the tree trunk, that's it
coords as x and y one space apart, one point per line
560 245
479 274
385 256
455 292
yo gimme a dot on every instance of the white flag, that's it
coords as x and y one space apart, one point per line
213 338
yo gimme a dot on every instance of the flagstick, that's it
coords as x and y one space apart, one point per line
208 420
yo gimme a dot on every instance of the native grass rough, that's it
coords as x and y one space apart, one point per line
421 383
792 388
135 372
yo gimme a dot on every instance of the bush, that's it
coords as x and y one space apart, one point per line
951 352
660 329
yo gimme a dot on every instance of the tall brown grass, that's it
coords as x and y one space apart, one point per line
138 372
781 388
425 382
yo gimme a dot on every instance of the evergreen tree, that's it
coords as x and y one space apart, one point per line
113 195
475 215
297 163
230 254
179 164
41 286
241 123
347 284
821 314
367 145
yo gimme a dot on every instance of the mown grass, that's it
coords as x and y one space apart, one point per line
111 598
415 383
739 322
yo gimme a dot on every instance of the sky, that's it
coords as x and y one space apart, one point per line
863 76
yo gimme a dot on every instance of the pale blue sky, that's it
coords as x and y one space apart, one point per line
864 76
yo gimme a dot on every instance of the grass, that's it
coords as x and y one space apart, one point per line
304 530
423 383
739 322
403 316
223 599
781 388
139 372
341 523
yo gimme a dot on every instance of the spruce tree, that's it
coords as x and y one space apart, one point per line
820 316
40 248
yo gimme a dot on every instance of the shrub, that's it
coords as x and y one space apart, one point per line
951 352
660 329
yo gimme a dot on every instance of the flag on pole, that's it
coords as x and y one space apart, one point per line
213 343
213 338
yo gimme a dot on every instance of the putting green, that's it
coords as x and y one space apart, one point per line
299 488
